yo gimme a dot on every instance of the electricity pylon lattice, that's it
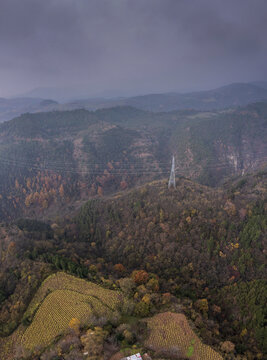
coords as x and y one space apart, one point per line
172 175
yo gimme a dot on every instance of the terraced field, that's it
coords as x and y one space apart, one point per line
63 281
171 331
61 298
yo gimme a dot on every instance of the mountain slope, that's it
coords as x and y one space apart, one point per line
202 243
201 250
49 161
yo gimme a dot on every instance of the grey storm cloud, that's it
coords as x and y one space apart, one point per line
134 45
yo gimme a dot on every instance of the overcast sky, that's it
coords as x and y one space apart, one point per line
131 46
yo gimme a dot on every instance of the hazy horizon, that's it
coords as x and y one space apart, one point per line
126 48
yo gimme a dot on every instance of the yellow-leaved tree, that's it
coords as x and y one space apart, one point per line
74 324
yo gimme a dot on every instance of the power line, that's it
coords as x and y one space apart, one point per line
101 167
104 165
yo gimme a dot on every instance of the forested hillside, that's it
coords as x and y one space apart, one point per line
53 161
200 246
202 243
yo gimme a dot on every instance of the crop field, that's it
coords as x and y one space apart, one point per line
63 281
61 298
169 330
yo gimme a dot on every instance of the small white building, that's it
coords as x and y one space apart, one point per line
133 357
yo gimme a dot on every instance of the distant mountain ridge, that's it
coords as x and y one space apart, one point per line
261 84
10 108
229 96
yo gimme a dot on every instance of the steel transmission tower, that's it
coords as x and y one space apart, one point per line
172 175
